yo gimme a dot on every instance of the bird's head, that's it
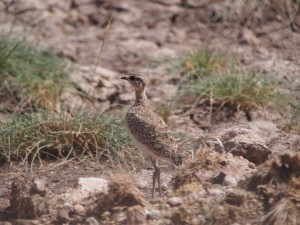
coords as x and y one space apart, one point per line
138 81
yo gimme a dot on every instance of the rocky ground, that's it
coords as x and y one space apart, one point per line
246 172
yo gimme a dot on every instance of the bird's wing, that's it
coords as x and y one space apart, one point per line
149 129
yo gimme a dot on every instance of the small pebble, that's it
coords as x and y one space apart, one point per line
63 215
152 213
175 201
229 181
105 215
216 191
91 221
39 186
68 207
5 223
79 209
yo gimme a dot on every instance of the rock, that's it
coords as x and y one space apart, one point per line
229 181
234 198
119 214
5 223
247 143
85 188
263 128
175 201
291 160
141 183
91 221
219 178
39 186
79 209
2 7
68 206
123 192
126 97
22 197
105 215
100 86
167 2
192 3
284 141
211 166
93 184
164 187
238 167
216 191
76 102
247 36
106 73
166 92
136 215
103 195
152 214
63 215
224 179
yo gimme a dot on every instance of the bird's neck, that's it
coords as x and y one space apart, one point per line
140 98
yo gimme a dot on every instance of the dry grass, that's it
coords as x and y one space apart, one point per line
283 212
293 119
215 76
45 135
249 13
202 63
240 89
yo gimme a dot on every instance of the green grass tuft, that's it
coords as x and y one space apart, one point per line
45 135
243 90
220 77
204 62
29 78
248 90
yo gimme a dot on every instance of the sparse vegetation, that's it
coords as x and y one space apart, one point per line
293 119
29 79
245 90
250 12
45 135
202 63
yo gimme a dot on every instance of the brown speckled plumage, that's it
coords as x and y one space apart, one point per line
148 131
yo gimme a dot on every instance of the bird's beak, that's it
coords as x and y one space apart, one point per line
124 78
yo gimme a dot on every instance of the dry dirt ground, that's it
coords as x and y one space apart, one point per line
211 188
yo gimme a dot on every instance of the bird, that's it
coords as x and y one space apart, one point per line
148 131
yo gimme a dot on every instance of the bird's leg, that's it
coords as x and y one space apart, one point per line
158 180
156 177
153 161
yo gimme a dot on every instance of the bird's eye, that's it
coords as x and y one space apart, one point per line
132 78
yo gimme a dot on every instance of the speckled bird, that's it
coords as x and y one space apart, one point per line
148 131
